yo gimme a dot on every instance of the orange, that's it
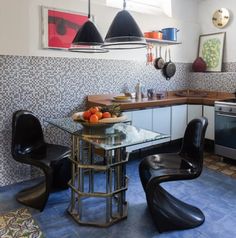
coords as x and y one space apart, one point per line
93 110
106 115
93 118
99 115
86 115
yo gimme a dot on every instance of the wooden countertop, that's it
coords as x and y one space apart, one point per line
170 99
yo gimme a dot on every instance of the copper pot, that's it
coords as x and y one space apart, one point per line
153 35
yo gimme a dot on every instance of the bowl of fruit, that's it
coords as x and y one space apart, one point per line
98 116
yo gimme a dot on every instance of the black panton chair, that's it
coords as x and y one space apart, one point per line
29 147
169 213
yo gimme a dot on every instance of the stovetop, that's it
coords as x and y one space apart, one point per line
231 101
226 106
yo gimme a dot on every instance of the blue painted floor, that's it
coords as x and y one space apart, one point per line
213 193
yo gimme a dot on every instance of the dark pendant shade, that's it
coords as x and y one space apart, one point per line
88 39
88 35
124 33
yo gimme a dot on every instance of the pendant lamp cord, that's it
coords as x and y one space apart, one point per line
88 9
124 5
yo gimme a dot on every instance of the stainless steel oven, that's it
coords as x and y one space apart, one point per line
225 128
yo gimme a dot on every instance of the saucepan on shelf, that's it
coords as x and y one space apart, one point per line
153 35
169 33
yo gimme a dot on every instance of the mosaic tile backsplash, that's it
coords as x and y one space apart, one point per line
56 87
222 81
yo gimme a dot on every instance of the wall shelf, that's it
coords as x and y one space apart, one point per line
207 73
162 42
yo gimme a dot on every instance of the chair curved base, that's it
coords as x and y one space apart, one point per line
169 213
35 197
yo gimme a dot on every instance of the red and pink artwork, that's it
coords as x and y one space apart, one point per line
60 27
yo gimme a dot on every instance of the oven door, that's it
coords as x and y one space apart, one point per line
225 129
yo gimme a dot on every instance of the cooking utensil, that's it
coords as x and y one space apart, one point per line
169 33
159 62
153 34
169 68
147 34
149 54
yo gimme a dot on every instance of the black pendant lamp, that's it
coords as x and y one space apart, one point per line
88 39
124 33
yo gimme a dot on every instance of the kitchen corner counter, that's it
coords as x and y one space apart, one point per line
192 97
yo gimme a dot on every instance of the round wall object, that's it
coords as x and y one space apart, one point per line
221 17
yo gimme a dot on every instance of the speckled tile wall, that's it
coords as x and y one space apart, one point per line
55 87
223 81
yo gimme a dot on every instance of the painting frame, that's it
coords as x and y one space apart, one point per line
211 49
46 43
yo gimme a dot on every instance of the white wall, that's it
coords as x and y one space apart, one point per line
20 25
206 10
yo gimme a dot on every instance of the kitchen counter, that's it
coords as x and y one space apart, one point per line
191 97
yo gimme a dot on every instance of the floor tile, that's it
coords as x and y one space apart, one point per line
213 192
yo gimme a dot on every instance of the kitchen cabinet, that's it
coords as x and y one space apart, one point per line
141 119
158 119
161 121
209 113
178 121
171 120
194 111
128 115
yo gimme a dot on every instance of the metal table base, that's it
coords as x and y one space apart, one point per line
83 173
103 202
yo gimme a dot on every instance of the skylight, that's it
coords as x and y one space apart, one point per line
144 6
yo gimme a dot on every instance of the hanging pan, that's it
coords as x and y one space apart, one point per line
169 68
159 62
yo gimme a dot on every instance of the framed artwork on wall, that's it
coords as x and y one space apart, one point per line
59 27
211 49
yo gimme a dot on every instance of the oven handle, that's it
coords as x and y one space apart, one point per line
225 115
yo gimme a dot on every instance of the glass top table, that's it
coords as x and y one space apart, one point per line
87 143
108 137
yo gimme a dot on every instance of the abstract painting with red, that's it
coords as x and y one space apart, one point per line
60 27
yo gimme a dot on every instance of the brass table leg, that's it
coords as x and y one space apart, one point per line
91 171
72 182
116 182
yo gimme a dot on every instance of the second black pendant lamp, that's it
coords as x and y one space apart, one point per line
88 39
124 33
